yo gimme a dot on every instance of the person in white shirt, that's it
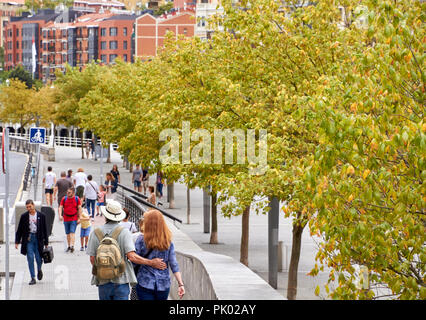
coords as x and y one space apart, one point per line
91 194
80 180
49 182
128 224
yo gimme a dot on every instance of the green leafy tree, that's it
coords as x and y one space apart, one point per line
22 75
370 166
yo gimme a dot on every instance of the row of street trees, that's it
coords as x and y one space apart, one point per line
342 100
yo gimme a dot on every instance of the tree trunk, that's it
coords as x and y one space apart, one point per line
188 205
294 261
171 194
213 234
245 237
109 154
82 144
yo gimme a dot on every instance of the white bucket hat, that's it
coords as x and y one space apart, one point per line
113 211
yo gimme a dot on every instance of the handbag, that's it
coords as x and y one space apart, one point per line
47 254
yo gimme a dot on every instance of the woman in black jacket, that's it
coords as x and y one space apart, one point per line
32 234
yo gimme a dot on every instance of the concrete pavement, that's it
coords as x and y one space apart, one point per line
71 279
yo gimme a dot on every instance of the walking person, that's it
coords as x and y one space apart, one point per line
70 177
32 235
137 178
92 147
101 199
49 182
115 286
128 224
156 242
152 199
87 148
135 236
91 194
85 230
70 211
114 171
109 183
160 184
80 179
61 187
145 180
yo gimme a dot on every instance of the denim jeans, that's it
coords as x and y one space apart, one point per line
148 294
32 252
114 291
90 205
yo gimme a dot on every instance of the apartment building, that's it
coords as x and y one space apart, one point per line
20 33
151 31
8 9
98 6
92 37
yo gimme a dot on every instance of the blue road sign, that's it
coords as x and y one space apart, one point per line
37 135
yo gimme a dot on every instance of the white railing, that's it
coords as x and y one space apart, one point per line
61 141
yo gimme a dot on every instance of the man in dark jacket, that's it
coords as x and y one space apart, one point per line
32 234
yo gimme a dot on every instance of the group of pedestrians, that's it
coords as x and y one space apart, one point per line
140 260
140 180
149 252
75 192
146 254
90 148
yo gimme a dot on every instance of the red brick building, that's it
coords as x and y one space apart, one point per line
20 33
151 31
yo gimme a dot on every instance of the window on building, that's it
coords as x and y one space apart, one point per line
17 44
44 34
64 33
103 45
125 57
113 45
17 57
104 58
113 31
185 30
103 32
124 44
17 32
112 58
125 31
64 46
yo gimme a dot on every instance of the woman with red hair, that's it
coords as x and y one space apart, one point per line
156 242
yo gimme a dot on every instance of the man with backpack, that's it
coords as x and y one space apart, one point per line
70 211
111 250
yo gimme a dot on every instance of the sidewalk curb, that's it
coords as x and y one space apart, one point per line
17 285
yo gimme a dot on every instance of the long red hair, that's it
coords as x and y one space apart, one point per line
156 233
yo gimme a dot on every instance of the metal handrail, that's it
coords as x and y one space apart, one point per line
141 198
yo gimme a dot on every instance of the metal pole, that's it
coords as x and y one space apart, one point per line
37 172
273 220
6 206
101 160
206 209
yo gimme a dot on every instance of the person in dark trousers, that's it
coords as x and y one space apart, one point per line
32 235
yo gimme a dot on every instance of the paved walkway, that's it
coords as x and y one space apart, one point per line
70 279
